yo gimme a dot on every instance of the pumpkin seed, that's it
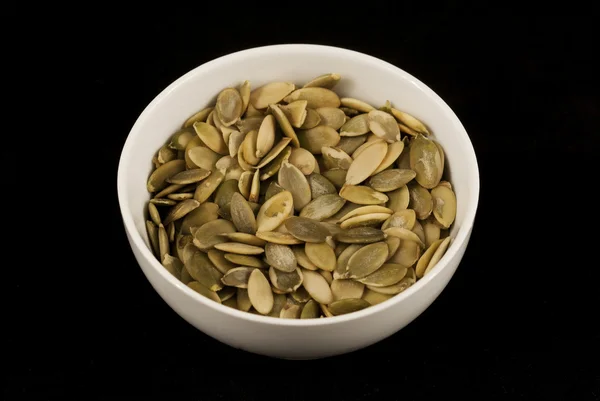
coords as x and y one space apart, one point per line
366 163
279 301
179 197
363 210
384 126
319 185
418 229
166 154
356 126
158 179
202 290
208 211
248 149
440 251
325 310
407 254
284 124
302 259
270 93
153 237
404 234
208 235
370 219
266 136
336 176
350 143
363 195
314 139
259 292
349 305
255 187
311 310
292 180
404 218
321 255
180 210
444 205
180 242
367 260
345 289
311 120
331 117
398 199
322 207
274 152
163 202
327 81
274 211
386 275
295 112
303 160
245 89
426 161
239 248
421 201
360 235
375 298
226 293
218 259
236 138
410 121
211 137
431 233
280 257
273 168
317 287
356 104
249 124
163 242
245 260
390 180
393 244
199 116
342 261
335 158
286 282
153 213
290 312
393 152
278 238
205 189
237 277
230 106
202 270
315 96
306 229
201 157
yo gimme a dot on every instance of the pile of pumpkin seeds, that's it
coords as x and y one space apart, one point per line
294 202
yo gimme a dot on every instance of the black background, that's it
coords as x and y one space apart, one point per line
519 320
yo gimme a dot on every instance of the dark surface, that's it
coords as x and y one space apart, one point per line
519 320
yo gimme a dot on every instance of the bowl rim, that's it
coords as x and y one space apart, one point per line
456 244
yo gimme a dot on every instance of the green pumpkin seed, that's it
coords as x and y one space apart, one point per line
248 150
390 180
234 142
163 242
163 202
205 189
344 306
245 89
371 219
444 205
386 275
384 126
404 218
226 293
292 180
279 301
274 152
201 157
407 254
202 290
237 277
280 257
241 249
356 126
249 123
421 201
270 93
398 199
278 238
321 255
404 234
315 138
363 195
211 137
180 197
259 292
218 259
350 143
284 124
266 136
245 260
356 104
229 106
366 163
393 152
315 96
158 179
180 210
286 282
290 312
342 261
410 121
153 213
360 235
202 270
209 234
199 116
152 231
393 244
426 161
335 158
166 154
367 260
331 117
208 211
274 211
311 310
305 229
363 210
302 259
323 207
295 112
320 185
328 81
440 251
431 233
317 287
346 289
375 298
303 160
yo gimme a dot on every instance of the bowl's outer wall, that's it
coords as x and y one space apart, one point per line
363 77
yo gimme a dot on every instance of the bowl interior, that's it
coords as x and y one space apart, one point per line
363 77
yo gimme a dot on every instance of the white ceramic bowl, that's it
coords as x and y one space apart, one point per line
363 77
